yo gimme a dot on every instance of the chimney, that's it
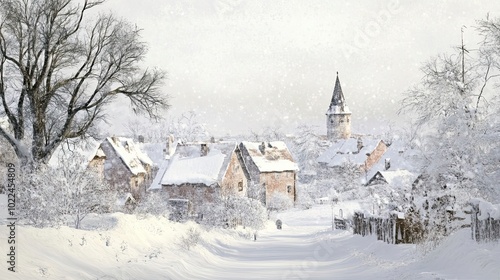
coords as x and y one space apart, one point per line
170 147
387 163
115 140
262 148
204 149
140 139
360 144
212 139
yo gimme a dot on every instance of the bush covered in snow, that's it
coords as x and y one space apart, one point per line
49 195
155 203
280 201
191 239
234 210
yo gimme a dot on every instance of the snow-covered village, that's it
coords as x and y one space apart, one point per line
221 139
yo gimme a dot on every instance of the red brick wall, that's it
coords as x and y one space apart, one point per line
278 182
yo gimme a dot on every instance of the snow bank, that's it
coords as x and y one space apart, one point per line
121 246
457 257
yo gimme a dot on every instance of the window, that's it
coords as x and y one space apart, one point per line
240 186
289 189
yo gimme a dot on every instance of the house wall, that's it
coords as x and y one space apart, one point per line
198 194
116 173
97 164
375 156
136 184
234 176
278 182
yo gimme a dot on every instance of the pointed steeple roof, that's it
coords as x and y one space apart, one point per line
338 95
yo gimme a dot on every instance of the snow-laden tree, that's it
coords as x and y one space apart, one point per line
267 134
303 195
59 70
235 210
185 128
346 180
188 128
50 195
306 146
280 201
456 110
457 119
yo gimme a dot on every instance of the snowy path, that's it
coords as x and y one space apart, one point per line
304 249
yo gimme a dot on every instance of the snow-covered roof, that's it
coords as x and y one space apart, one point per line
100 153
194 170
156 184
395 178
399 158
188 165
276 156
121 200
130 154
83 150
346 150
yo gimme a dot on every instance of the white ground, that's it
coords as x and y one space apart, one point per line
121 246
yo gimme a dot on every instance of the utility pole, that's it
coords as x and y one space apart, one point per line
333 224
462 47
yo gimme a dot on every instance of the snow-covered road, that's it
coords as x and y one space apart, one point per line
306 248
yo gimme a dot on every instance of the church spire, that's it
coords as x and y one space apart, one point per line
338 116
338 95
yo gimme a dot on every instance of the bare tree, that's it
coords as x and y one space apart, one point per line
187 128
58 71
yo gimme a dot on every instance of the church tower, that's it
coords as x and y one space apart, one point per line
338 116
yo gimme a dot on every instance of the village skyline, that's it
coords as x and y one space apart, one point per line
262 139
245 66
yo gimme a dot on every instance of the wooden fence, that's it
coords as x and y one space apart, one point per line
392 230
487 229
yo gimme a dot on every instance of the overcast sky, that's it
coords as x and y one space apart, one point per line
244 65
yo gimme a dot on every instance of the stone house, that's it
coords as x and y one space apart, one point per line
123 165
201 172
271 168
364 152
